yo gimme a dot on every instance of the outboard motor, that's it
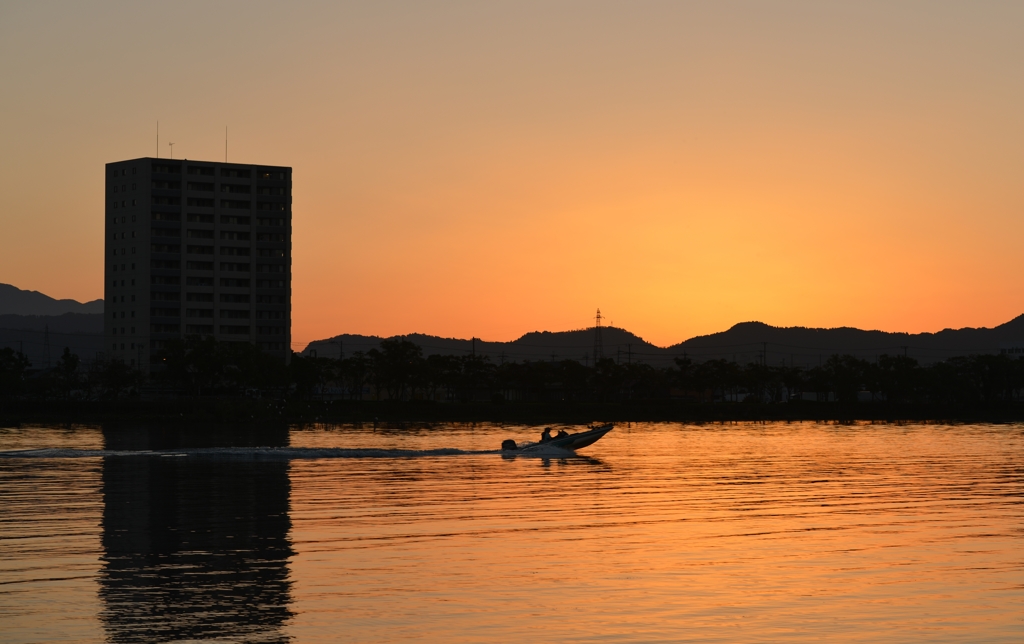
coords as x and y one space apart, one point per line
508 445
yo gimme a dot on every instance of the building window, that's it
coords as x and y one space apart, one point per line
271 268
199 297
263 205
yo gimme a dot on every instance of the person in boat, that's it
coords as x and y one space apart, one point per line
545 436
561 434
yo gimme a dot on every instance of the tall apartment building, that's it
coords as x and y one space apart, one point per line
196 248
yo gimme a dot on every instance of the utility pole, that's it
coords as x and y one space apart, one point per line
904 347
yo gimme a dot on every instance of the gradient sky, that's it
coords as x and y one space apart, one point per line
488 169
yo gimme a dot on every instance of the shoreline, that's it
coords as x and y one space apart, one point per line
260 412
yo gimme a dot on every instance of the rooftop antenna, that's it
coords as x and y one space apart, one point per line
225 144
598 340
158 139
172 149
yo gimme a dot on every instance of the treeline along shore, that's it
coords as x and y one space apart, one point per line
201 379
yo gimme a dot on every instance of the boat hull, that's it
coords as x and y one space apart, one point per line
574 442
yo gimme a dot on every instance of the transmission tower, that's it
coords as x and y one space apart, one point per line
598 340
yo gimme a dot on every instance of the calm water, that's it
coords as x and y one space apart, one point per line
663 532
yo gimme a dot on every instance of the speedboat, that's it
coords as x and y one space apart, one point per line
571 442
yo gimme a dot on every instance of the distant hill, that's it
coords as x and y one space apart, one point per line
15 301
537 345
742 343
804 346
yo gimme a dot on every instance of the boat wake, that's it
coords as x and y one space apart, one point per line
274 453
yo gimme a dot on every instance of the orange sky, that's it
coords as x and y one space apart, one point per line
491 169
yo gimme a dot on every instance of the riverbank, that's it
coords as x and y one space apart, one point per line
248 411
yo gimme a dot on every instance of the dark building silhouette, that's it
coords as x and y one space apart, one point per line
195 547
196 248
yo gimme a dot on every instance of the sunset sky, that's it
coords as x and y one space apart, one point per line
488 169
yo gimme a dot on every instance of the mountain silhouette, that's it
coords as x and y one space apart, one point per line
42 326
743 343
15 301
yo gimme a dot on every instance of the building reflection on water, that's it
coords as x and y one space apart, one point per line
196 547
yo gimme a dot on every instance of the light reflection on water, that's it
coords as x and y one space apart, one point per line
663 532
